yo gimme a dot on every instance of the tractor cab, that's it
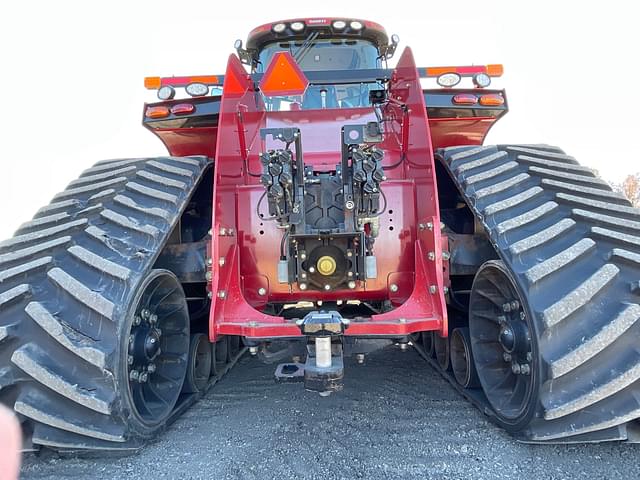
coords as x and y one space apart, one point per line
321 45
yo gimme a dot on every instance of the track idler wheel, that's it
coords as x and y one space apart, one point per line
503 345
158 347
441 349
464 370
199 367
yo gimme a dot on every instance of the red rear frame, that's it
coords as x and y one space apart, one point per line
244 248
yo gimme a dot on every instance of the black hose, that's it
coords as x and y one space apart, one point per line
260 216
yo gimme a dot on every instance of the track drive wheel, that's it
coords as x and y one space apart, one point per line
503 345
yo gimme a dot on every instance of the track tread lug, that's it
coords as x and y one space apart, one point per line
83 294
99 263
24 268
29 359
581 296
77 343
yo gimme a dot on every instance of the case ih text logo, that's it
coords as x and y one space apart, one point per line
318 21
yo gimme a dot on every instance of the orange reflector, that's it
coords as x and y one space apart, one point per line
283 77
157 112
465 99
206 79
495 70
437 71
152 83
491 100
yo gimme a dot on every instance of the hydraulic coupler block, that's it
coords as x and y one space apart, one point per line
277 179
324 368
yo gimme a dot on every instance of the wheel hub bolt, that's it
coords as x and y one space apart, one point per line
515 368
525 369
506 357
515 305
136 320
506 307
529 356
143 377
151 367
153 319
134 375
145 313
130 359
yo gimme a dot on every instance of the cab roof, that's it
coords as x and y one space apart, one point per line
264 34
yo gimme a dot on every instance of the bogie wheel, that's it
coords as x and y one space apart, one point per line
156 348
222 352
441 349
464 369
503 345
428 343
199 364
234 347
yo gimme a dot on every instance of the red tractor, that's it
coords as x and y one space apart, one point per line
317 205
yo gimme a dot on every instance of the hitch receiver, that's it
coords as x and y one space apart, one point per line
324 368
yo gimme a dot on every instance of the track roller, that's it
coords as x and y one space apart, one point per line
441 350
199 368
464 369
428 342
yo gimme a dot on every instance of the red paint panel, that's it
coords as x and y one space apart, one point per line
189 141
449 132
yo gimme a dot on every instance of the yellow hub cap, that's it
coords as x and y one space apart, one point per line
326 265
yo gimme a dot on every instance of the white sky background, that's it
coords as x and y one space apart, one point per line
71 74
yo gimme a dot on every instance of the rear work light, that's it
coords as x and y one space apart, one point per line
465 99
166 93
492 100
197 89
183 109
481 80
279 27
339 24
449 79
297 26
157 112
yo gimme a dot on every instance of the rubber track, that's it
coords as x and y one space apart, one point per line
573 246
66 280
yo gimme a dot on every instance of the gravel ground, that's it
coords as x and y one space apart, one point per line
396 418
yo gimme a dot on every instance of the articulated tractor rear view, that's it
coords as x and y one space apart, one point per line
318 205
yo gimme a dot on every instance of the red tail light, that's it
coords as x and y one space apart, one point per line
183 109
491 100
465 99
157 112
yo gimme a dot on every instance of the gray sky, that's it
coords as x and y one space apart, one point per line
72 74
